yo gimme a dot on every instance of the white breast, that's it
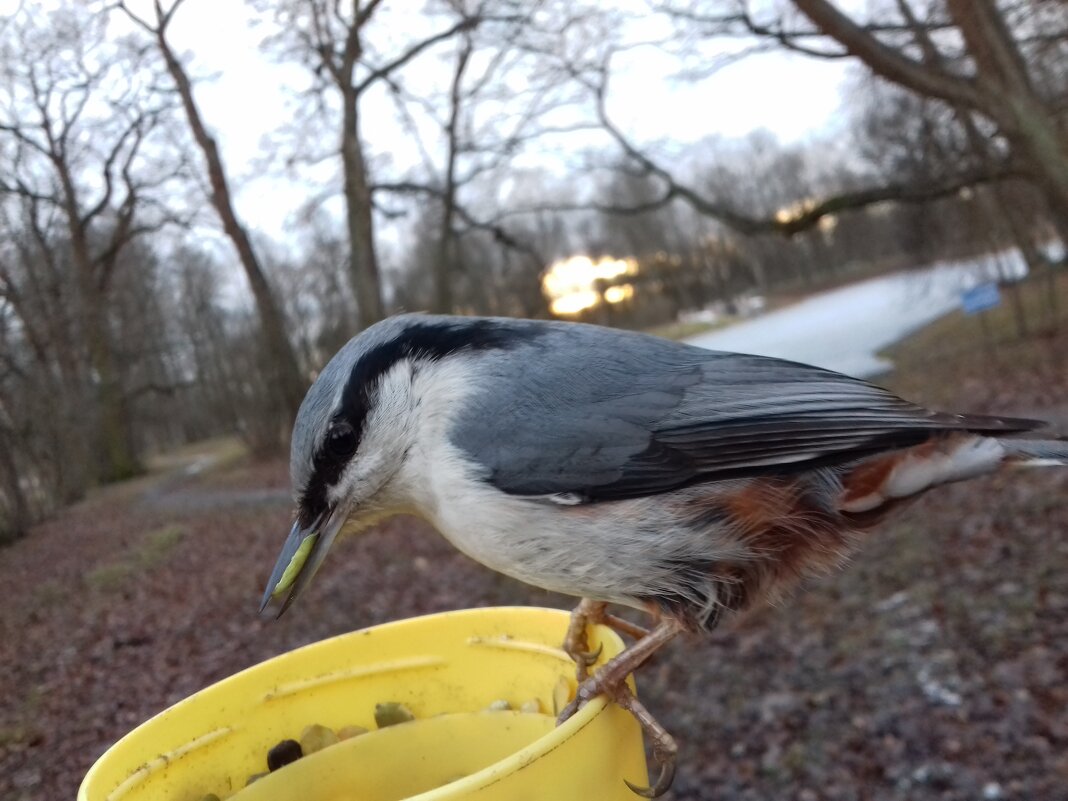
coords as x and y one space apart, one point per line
619 551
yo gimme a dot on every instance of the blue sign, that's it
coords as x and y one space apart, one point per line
980 298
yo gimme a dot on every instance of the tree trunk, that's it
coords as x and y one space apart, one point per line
1009 97
443 269
1037 135
992 213
114 438
363 262
119 460
444 262
445 265
115 448
287 377
1002 89
1021 233
19 515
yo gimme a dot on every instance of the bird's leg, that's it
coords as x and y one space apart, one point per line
615 671
622 626
575 643
612 680
665 751
591 613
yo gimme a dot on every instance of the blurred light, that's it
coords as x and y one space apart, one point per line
570 284
575 302
795 211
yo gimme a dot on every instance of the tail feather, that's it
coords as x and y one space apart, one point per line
900 474
1035 452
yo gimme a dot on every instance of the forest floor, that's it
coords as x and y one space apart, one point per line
934 667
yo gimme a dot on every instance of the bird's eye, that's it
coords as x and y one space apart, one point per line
341 441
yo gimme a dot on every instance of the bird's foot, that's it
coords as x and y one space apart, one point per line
576 644
611 680
665 750
614 672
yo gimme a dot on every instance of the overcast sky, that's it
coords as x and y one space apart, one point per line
249 97
792 96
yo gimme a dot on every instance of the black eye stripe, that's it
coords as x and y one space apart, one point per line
338 446
428 339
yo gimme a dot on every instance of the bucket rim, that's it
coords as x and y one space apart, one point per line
485 777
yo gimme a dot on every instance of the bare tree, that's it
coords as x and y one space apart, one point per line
999 85
510 90
314 287
77 137
446 250
334 41
1002 203
494 102
288 384
975 58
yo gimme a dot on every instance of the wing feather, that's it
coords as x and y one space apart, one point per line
601 415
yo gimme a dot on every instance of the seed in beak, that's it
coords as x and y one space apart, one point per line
289 575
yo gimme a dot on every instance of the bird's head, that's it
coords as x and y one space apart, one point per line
358 424
348 440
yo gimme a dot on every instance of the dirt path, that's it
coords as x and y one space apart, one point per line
180 484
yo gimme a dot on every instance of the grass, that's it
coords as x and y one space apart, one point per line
109 578
958 348
13 735
50 592
159 544
155 549
25 731
957 331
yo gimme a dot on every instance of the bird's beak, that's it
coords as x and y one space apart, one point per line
303 552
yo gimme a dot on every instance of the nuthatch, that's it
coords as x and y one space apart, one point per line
616 467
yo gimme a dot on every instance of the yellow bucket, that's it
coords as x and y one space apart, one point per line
446 668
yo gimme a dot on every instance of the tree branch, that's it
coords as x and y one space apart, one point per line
467 23
365 13
887 62
499 233
790 220
134 128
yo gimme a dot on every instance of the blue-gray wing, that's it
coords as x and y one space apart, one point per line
603 414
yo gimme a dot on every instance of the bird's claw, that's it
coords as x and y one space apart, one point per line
665 750
588 658
661 785
576 643
586 692
611 679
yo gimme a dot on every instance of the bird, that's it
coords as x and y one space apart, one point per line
619 468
